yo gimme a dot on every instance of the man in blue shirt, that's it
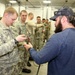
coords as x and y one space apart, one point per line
59 51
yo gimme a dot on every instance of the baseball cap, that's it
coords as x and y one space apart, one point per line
64 11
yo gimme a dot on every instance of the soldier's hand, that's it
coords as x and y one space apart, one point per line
27 46
21 38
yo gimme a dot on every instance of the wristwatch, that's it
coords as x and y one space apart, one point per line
16 42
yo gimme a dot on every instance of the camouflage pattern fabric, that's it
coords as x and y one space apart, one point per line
39 37
8 51
24 54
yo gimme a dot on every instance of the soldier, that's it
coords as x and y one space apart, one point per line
44 23
59 51
43 20
38 20
8 44
21 29
31 26
47 29
39 34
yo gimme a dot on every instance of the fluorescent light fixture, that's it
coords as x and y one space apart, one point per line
46 1
12 1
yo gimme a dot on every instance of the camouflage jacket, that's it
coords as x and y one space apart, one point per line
8 48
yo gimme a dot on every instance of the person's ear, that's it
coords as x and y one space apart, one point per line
64 19
6 14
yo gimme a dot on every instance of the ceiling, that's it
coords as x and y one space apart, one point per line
39 3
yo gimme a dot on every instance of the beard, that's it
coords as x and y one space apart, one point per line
58 28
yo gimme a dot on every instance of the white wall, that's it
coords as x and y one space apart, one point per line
2 8
44 12
36 12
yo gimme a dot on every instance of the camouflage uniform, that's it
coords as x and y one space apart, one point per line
8 52
47 31
24 54
31 29
39 37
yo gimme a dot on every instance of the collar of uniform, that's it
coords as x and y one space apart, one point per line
3 26
21 23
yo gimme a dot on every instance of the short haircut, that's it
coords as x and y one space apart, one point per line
23 11
10 10
43 19
38 17
30 14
